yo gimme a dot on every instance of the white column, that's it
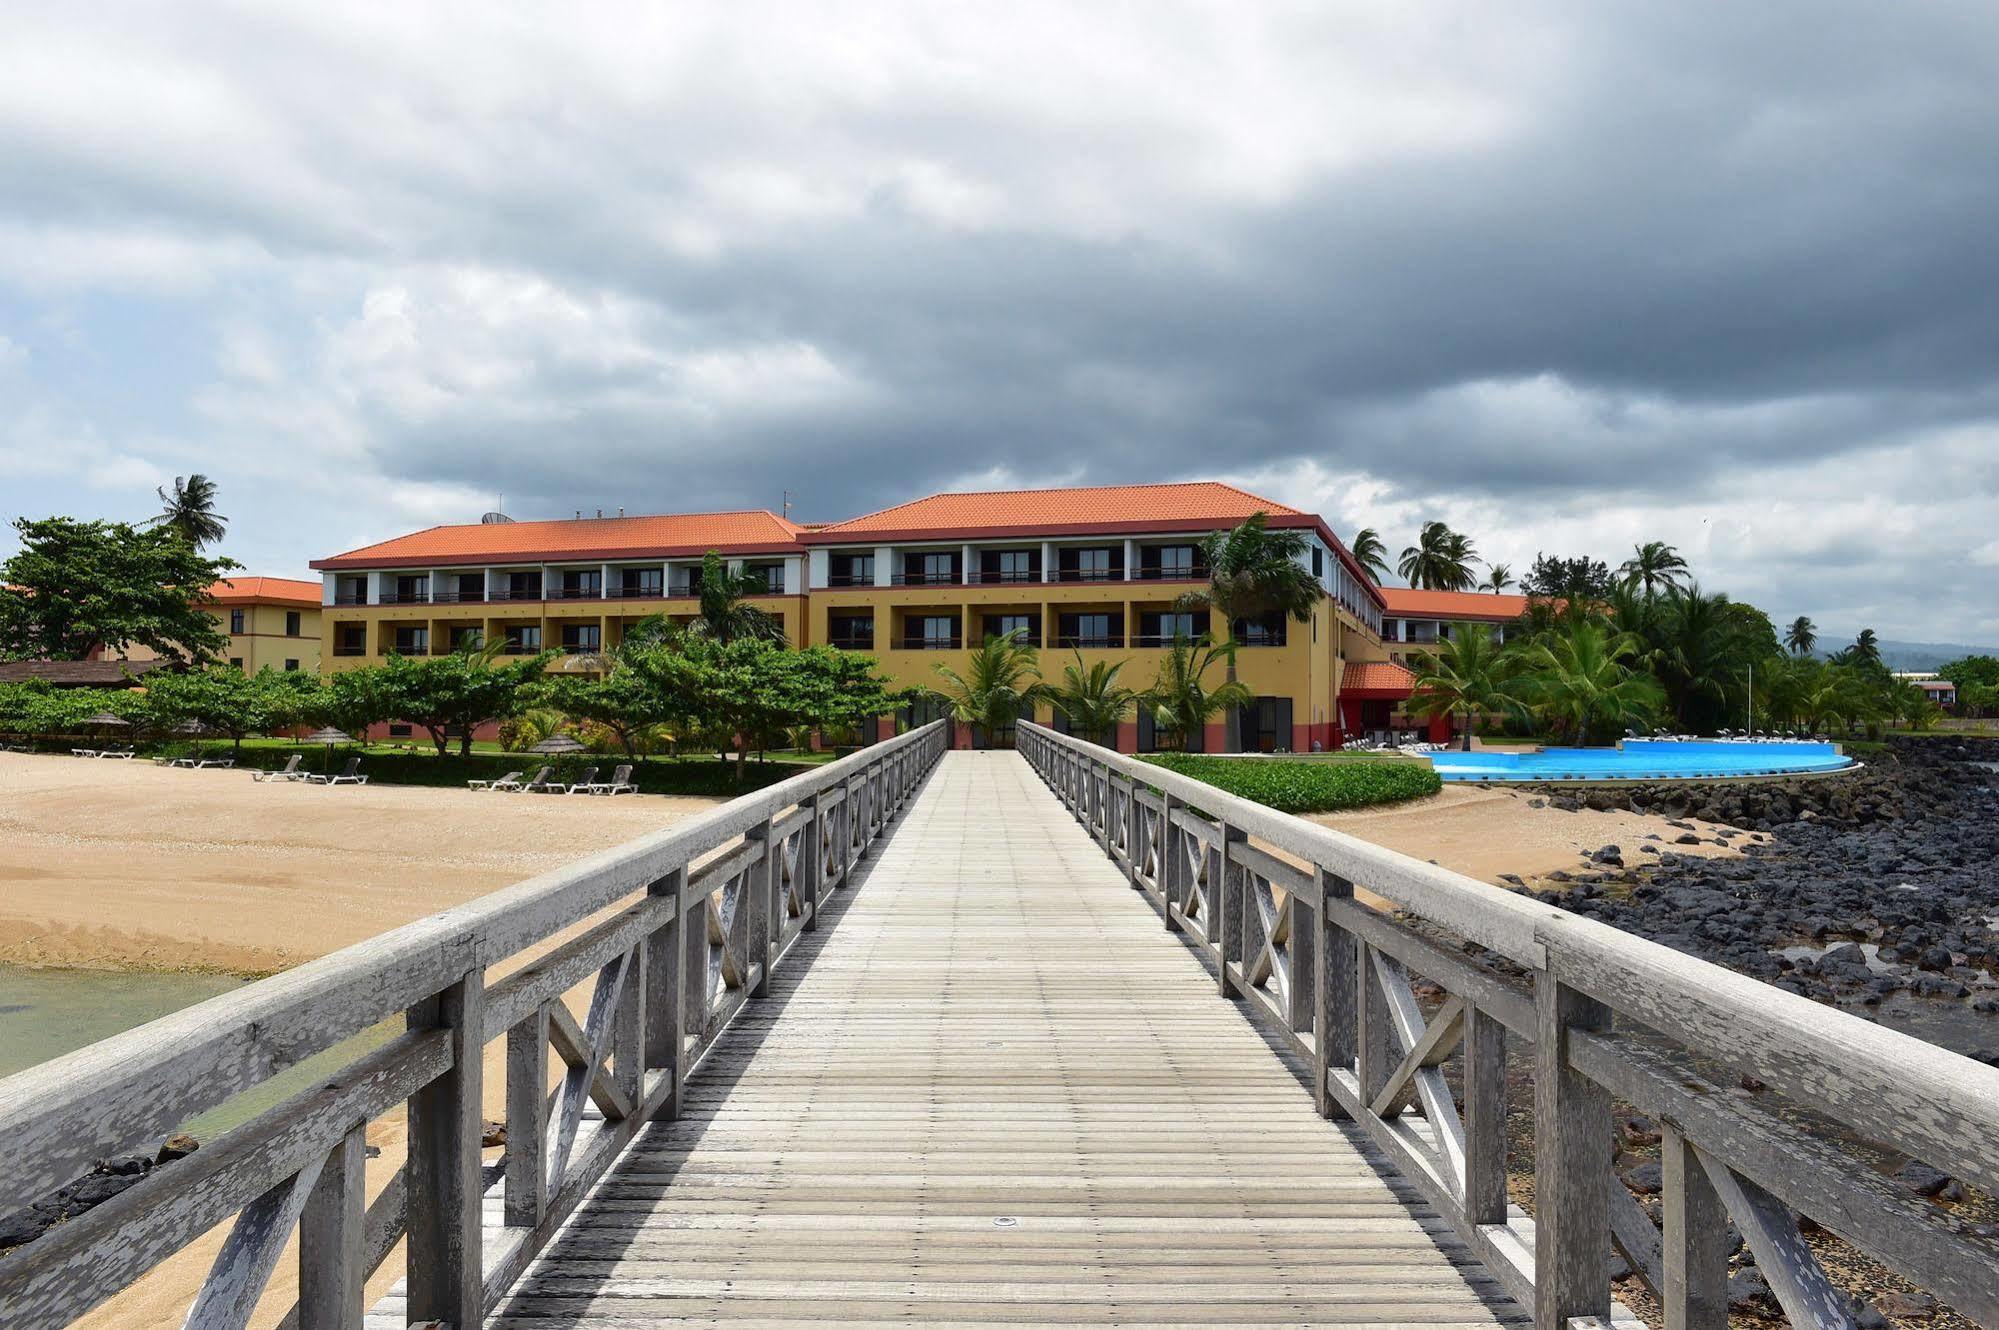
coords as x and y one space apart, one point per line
968 572
374 588
329 584
1130 560
819 568
884 565
794 575
496 581
604 588
1048 561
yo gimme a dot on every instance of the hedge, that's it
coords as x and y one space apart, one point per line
1307 787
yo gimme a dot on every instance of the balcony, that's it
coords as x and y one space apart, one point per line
640 593
1088 575
459 598
1110 643
350 598
1171 573
576 593
932 643
850 579
924 579
350 651
515 648
1004 577
400 598
1158 639
853 643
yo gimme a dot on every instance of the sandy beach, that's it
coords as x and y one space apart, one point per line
129 865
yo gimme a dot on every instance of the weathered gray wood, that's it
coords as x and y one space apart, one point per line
666 1027
1694 1292
1333 994
445 1127
1485 1118
248 1255
527 1119
332 1240
1782 1255
1229 892
585 1069
1572 1176
549 976
1432 1045
766 912
627 1039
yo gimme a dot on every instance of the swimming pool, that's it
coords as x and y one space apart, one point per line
1646 759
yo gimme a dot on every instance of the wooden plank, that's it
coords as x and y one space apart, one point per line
1694 1292
445 1128
248 1255
332 1231
1572 1177
1786 1260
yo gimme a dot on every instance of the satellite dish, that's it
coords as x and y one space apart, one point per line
494 519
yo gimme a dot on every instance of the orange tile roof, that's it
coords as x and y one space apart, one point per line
282 590
1409 603
1376 676
1194 505
668 535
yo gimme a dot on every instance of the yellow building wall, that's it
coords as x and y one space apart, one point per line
264 641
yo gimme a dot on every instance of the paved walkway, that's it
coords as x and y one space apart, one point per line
997 1092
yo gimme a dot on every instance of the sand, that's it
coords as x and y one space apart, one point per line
129 865
1484 832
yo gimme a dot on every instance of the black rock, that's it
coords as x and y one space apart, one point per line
1921 1179
1749 1291
1645 1179
24 1225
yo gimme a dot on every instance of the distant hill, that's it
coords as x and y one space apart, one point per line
1911 655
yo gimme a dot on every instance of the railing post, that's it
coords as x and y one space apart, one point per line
1374 1049
1332 994
1696 1240
1230 900
1485 1118
812 891
665 1026
1172 861
760 889
694 977
1572 1174
445 1280
527 1120
332 1254
628 1029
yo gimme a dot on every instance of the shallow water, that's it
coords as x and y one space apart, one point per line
46 1013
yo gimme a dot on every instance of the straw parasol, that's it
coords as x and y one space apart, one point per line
193 730
332 738
105 718
559 743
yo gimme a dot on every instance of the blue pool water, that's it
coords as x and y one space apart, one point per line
1645 759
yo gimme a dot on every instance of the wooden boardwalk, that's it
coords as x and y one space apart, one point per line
997 1092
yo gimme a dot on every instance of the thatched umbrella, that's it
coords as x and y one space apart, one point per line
105 720
194 730
332 738
559 743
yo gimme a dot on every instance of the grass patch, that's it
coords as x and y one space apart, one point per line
1308 787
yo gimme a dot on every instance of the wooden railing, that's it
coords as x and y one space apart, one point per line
1270 902
704 912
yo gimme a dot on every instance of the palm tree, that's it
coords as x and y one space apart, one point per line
1092 699
190 509
1440 560
1653 567
1370 553
1254 572
1694 654
1866 648
1180 701
1582 678
1468 674
1801 636
1498 579
724 617
1001 682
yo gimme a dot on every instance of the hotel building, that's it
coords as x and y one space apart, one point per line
269 621
1094 573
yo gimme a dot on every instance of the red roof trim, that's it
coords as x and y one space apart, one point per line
695 551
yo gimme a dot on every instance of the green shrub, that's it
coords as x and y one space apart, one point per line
1308 787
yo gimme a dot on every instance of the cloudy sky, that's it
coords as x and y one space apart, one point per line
1568 276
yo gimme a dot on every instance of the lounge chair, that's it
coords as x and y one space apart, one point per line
289 771
119 754
620 782
510 781
215 762
538 784
349 775
83 752
582 784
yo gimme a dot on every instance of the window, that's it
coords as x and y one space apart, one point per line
1092 630
350 591
235 621
1161 629
399 730
235 662
854 631
523 639
411 590
930 569
412 640
1091 565
1173 563
524 586
292 622
467 639
582 637
291 667
851 570
999 625
350 639
463 587
690 581
1010 566
932 632
644 583
1318 561
1264 631
772 575
582 584
1266 725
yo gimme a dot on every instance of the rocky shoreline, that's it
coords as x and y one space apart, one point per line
1862 887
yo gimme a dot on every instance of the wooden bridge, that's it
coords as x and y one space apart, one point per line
941 1038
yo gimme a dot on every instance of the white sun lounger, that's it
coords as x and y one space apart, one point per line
349 775
289 771
510 781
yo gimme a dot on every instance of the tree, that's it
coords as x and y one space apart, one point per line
1697 656
1093 700
1254 572
190 510
619 700
1583 679
75 586
837 691
1468 674
1440 560
1581 579
1000 683
460 691
724 617
1866 648
1653 567
1370 553
1180 699
1801 636
1498 578
224 699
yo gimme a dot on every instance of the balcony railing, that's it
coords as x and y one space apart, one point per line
1090 643
459 598
641 593
853 643
850 579
1026 640
350 598
514 648
1088 575
1162 639
990 577
403 598
924 579
576 593
932 643
350 651
1171 573
509 593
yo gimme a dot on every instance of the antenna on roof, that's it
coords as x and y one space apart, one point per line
787 505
